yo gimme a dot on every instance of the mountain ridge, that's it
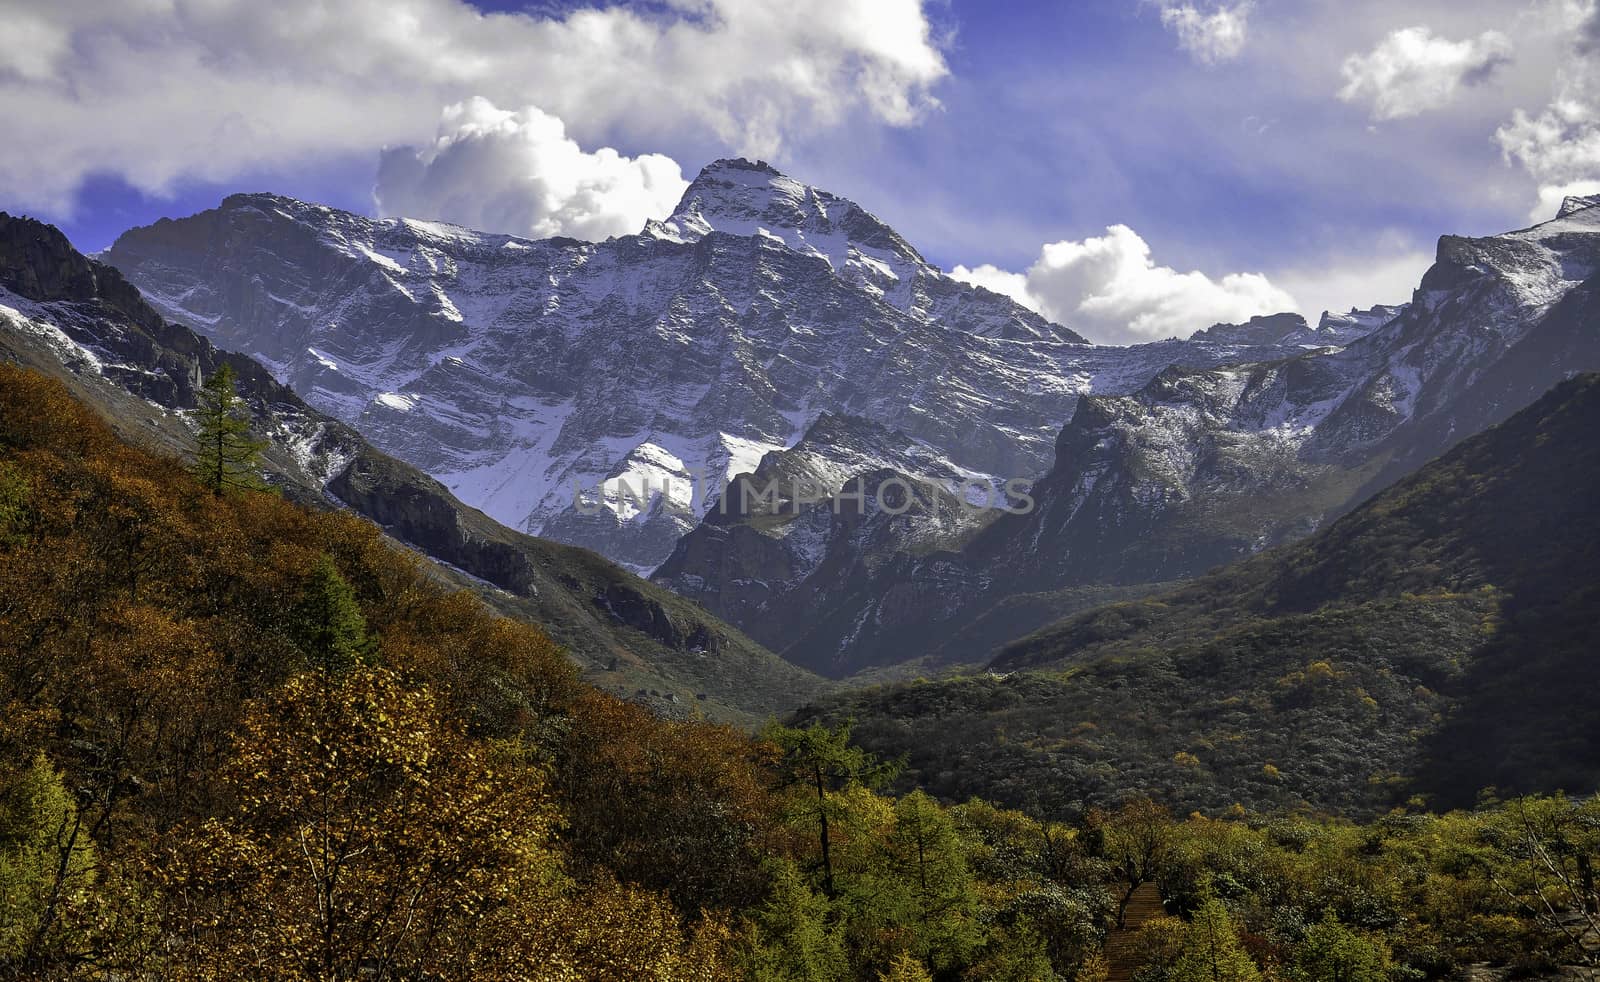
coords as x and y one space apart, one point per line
1203 465
614 394
516 370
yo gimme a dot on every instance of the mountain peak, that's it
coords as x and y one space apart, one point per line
1575 203
1356 323
38 263
738 164
743 197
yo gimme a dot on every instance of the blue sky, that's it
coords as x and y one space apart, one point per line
1321 146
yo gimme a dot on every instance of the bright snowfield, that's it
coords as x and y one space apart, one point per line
646 371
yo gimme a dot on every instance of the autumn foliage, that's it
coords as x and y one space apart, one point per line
242 739
297 756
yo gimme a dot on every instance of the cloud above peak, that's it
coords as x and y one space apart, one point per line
1109 289
160 92
1412 71
518 172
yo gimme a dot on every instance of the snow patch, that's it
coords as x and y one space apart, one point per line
323 359
69 351
398 401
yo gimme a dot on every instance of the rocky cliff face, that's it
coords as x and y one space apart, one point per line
1200 467
84 315
1291 329
616 394
515 371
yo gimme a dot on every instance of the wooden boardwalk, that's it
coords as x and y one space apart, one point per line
1122 945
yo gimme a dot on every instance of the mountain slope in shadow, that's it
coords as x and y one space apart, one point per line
1436 640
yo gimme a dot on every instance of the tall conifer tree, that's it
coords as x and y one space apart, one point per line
228 458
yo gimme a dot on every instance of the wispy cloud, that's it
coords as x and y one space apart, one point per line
156 92
1211 34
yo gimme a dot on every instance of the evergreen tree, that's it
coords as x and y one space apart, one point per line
14 504
227 458
46 861
925 850
927 864
1331 952
822 760
1211 949
795 941
1094 969
328 625
905 969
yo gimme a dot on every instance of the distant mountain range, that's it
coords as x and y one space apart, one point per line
765 324
1197 466
841 455
662 397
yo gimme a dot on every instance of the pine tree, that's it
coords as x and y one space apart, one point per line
46 860
905 969
797 942
14 504
928 865
822 760
227 458
1211 949
328 625
1331 952
924 848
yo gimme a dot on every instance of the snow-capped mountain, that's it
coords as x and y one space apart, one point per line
1199 465
528 375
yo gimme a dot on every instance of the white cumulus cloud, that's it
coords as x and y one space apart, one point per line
160 90
1559 145
1412 71
519 172
1110 290
1211 35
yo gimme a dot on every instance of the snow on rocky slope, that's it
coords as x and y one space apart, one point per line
604 394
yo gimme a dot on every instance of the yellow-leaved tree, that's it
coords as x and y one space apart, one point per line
368 836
